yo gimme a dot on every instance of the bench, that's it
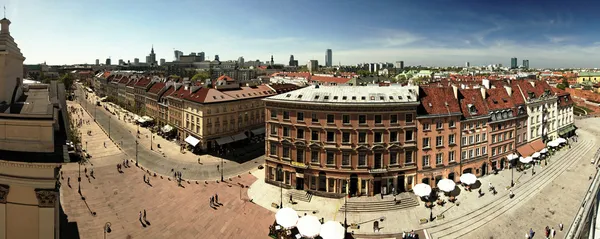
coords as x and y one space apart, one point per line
275 205
423 220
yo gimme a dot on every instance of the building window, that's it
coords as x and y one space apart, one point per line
426 143
378 137
464 154
408 118
362 137
378 161
314 118
471 140
394 136
286 152
426 126
345 137
300 155
330 136
439 125
393 158
300 116
408 157
484 150
273 129
346 159
494 151
286 132
477 152
393 119
273 150
362 119
286 115
425 160
451 156
345 119
452 139
439 141
300 133
452 124
518 138
362 159
330 119
484 137
330 158
273 114
408 135
378 119
439 158
314 135
314 156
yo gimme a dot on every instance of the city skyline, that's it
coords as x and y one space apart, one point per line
555 35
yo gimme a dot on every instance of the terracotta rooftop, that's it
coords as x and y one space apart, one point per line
209 95
330 79
156 87
225 78
180 93
472 103
437 101
143 82
498 99
281 88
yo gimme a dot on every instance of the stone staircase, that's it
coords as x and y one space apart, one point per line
298 195
403 201
460 226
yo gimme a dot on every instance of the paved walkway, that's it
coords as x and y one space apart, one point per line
173 212
474 213
124 136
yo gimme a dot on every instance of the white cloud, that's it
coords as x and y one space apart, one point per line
559 39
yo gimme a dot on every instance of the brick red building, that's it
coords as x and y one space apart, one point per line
438 126
333 140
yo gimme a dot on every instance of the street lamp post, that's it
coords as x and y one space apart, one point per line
109 126
281 195
222 165
512 173
79 179
107 229
346 209
151 143
136 152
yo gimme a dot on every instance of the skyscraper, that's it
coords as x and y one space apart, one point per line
108 61
97 62
151 59
328 58
241 61
513 63
526 64
177 54
162 61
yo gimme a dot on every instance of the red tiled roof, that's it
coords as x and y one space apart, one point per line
525 150
330 79
537 145
472 98
225 78
437 101
132 82
124 80
169 91
564 98
143 82
209 95
106 74
156 87
498 99
180 93
282 88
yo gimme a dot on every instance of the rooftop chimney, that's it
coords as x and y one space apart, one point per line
4 23
482 92
455 91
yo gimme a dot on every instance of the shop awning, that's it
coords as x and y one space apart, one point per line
525 150
141 120
566 130
258 131
147 118
240 136
224 140
193 141
167 128
537 145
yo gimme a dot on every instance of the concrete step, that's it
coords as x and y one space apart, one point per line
297 195
379 206
464 224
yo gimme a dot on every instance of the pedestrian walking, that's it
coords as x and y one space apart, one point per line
140 216
217 198
212 200
552 232
530 232
69 181
560 226
144 215
144 178
92 173
291 201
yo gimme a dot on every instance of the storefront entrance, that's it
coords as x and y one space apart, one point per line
322 182
353 185
400 184
299 183
484 169
502 163
451 176
377 186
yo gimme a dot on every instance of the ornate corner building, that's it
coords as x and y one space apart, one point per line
33 126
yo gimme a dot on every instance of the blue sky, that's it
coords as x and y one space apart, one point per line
549 33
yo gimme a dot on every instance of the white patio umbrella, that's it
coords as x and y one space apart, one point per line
446 185
468 178
535 155
553 143
286 217
512 156
332 230
544 150
525 160
561 140
309 226
422 190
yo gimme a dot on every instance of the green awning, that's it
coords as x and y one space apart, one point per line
566 129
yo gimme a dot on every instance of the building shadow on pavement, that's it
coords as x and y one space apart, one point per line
67 229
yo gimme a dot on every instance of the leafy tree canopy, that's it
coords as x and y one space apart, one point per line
202 75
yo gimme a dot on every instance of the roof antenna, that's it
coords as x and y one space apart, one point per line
4 11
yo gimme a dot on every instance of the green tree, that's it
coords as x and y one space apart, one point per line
202 75
174 76
565 82
363 73
67 80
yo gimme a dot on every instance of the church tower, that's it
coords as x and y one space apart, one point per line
11 66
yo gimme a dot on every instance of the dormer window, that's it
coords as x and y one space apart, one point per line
363 98
372 97
288 95
335 97
472 109
299 96
391 97
381 98
344 97
316 97
353 97
326 97
531 95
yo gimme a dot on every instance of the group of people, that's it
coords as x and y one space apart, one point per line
143 219
410 235
549 232
214 201
124 164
